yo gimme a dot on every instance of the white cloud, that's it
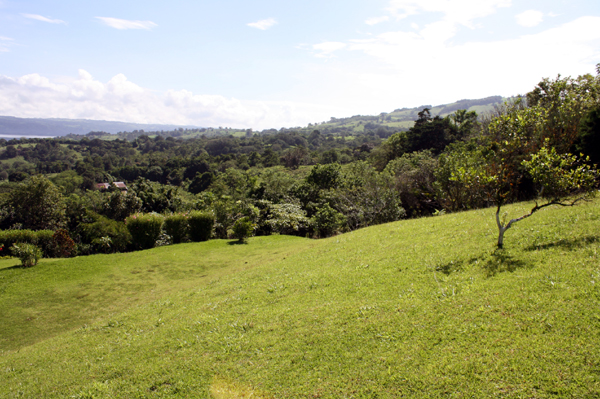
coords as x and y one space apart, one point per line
456 11
43 19
446 72
83 97
530 18
377 20
263 24
127 24
5 43
326 49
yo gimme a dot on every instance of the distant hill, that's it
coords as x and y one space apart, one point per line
11 126
399 119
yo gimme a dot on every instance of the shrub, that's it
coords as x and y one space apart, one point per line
201 225
28 253
243 228
103 235
288 219
62 244
102 244
328 221
42 238
176 226
145 229
44 241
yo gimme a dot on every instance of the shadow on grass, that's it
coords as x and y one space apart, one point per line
457 265
237 242
501 261
19 266
569 244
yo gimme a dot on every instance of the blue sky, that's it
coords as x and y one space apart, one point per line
271 64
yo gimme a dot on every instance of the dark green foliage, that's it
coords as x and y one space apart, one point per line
69 181
45 241
200 183
196 165
325 177
201 225
431 134
10 152
224 216
156 197
119 205
104 234
588 141
242 228
176 226
327 221
367 197
145 229
270 158
414 180
37 204
41 238
296 156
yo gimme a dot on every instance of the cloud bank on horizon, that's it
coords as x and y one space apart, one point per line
121 100
401 53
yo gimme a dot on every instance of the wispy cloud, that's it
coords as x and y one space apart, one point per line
530 18
43 19
263 24
5 43
461 12
127 24
377 20
326 49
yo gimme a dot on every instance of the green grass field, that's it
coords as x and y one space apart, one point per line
418 308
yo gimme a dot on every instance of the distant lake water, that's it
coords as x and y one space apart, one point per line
12 136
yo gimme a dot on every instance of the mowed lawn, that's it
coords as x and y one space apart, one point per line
417 308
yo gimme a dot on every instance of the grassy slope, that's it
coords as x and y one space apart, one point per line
422 308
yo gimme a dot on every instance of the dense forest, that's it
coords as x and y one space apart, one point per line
314 181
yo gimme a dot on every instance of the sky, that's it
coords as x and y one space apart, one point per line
270 64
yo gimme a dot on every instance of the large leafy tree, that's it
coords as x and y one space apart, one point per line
37 204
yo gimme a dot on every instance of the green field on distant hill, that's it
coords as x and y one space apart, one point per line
418 308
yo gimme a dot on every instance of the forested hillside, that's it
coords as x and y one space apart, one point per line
314 181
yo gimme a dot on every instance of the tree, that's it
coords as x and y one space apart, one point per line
325 177
561 179
529 141
37 204
588 140
295 156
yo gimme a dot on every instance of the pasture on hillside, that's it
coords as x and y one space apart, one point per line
418 308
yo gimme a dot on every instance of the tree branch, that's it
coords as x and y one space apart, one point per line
537 208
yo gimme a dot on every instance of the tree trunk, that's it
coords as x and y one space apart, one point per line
501 229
